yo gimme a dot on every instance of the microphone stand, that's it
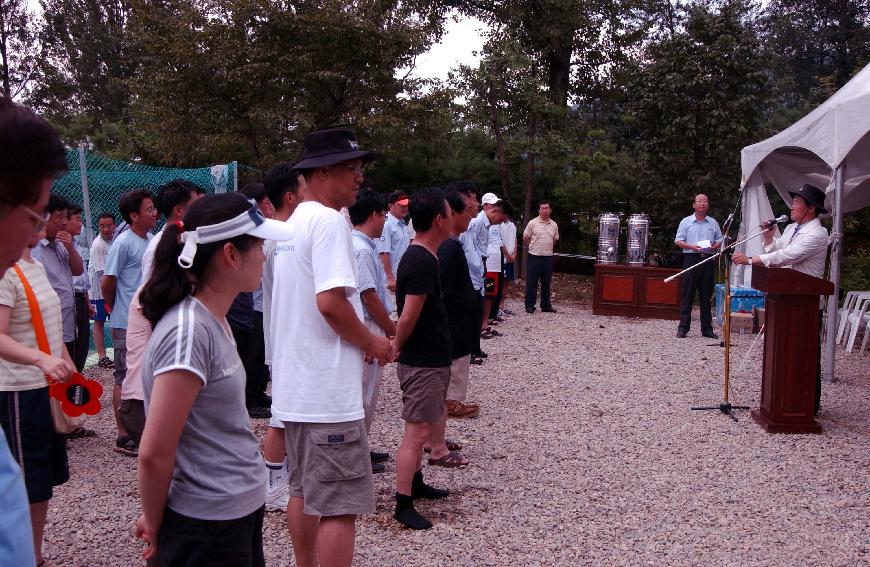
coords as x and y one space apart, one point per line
725 253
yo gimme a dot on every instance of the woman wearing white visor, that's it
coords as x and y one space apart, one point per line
200 469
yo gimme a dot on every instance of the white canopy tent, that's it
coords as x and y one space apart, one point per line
829 148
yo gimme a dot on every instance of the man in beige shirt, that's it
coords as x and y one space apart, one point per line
540 237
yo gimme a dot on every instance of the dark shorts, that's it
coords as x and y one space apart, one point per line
132 416
330 467
100 306
424 391
508 270
190 542
39 451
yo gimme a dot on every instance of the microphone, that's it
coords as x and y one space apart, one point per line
768 224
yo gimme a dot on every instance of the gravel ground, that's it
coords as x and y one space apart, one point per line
585 452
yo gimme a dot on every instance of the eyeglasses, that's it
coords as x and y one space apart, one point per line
39 221
356 168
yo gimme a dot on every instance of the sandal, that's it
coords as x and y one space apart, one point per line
476 359
452 445
126 446
451 460
81 433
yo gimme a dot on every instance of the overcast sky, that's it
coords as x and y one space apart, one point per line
458 45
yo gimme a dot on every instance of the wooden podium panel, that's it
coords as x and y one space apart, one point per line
791 349
635 291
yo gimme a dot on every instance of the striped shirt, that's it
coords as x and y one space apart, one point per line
17 377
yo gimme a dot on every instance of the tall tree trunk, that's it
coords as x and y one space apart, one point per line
530 185
559 67
3 39
495 118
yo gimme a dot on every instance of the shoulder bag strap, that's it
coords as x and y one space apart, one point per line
35 313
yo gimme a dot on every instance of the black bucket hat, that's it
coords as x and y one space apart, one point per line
813 196
323 148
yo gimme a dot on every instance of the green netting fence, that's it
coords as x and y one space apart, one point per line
96 182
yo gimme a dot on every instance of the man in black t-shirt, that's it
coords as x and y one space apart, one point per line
461 302
424 347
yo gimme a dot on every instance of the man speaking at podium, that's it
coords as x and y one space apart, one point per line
802 247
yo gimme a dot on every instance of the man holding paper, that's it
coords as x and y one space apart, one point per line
699 236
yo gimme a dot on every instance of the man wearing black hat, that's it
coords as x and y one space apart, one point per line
319 343
803 247
803 244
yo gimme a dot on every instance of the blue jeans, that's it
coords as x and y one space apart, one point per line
538 268
190 542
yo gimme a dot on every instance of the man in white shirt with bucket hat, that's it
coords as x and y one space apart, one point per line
319 346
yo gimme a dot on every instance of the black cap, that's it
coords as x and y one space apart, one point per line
813 196
322 148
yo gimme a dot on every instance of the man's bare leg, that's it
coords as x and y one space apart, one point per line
409 455
100 339
335 540
116 405
303 532
273 445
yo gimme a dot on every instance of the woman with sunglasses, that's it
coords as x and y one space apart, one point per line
200 470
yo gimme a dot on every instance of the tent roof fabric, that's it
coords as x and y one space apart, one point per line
809 150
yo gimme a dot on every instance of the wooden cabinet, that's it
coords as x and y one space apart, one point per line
636 291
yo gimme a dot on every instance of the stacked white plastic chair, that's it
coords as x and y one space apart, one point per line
857 315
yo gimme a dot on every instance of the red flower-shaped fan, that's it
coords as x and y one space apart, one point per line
77 395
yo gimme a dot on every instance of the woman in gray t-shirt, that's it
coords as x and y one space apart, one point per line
200 470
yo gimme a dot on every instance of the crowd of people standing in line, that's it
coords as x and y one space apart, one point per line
307 280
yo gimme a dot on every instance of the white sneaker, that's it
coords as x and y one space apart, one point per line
277 494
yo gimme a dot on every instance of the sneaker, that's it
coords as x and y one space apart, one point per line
460 410
105 362
502 313
506 312
277 495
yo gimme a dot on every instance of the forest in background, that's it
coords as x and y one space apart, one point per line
597 105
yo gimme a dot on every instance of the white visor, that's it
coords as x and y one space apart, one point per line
251 222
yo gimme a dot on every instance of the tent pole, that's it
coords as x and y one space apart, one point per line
836 258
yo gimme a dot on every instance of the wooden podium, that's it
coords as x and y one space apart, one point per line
791 349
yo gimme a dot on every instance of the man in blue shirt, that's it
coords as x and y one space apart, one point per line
699 236
121 278
367 216
394 240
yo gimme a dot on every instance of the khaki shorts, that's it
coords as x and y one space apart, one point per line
330 467
423 392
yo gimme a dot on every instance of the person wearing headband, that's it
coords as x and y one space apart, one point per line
194 384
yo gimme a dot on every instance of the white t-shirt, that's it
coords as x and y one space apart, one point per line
316 376
148 256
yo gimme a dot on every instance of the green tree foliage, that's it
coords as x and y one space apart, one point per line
86 60
698 98
17 47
